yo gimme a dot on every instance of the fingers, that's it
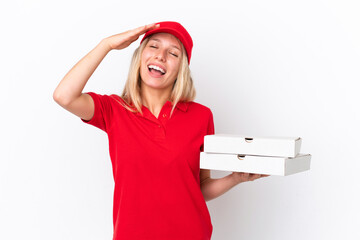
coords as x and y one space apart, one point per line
245 177
124 39
143 29
135 33
151 26
253 176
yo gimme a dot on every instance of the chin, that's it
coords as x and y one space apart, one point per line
153 83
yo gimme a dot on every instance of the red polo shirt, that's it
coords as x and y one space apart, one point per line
156 169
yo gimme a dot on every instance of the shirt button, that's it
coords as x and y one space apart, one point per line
159 126
164 115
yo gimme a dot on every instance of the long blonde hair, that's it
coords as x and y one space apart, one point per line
182 90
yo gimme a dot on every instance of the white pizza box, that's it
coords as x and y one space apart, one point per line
281 166
245 145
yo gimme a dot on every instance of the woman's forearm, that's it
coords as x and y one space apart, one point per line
213 188
73 83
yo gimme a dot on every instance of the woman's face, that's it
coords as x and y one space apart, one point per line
160 61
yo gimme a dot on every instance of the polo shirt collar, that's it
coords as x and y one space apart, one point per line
183 106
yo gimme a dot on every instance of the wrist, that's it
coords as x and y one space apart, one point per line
105 45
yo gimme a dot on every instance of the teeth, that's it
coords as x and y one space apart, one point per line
157 68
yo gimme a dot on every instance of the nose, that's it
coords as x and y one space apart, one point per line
160 55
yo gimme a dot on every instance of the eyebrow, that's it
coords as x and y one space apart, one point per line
155 39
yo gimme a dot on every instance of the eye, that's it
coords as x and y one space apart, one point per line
152 46
174 54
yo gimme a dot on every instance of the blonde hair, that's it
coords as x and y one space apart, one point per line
182 90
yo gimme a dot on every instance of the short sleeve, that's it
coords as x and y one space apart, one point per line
102 111
210 129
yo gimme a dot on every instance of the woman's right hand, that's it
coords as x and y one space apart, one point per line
123 40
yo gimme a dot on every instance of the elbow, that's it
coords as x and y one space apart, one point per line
59 99
56 96
205 194
207 189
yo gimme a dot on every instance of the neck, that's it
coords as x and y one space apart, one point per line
154 99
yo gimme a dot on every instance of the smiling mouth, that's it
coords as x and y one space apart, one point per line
156 70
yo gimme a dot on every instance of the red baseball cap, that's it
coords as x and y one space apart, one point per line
175 29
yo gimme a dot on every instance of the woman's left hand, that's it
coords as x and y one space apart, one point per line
244 177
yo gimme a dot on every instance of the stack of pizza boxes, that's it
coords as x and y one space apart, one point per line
262 155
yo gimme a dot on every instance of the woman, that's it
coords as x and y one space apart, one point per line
155 133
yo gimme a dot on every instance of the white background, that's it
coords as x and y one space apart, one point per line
265 68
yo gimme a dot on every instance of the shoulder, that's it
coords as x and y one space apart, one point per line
198 108
123 103
102 96
115 98
112 100
197 105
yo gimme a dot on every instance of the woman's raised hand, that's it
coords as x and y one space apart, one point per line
123 40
